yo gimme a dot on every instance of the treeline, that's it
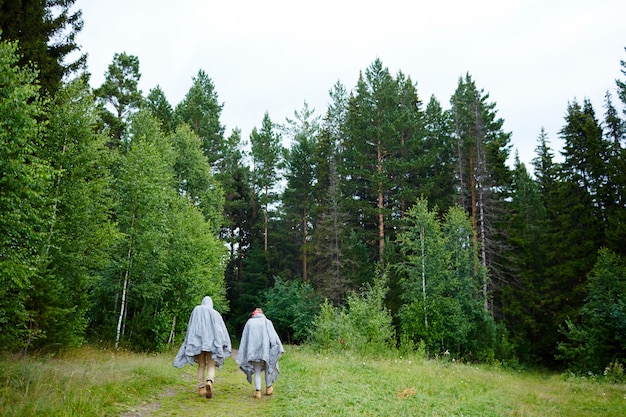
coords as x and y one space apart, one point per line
386 222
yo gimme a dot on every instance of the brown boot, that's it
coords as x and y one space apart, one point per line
269 390
209 388
257 394
202 391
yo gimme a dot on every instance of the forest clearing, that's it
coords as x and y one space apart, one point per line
91 382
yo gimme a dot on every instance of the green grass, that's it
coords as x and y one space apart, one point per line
91 382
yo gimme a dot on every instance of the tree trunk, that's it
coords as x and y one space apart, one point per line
129 261
381 221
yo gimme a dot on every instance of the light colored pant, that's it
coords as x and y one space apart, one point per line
205 361
258 368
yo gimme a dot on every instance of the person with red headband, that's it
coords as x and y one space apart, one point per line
259 350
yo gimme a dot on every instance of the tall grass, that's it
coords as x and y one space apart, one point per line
91 382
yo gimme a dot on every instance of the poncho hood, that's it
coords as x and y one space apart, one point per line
259 343
206 332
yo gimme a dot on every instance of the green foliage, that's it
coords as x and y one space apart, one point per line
292 306
442 297
81 222
157 104
201 110
25 213
170 256
363 326
597 339
119 95
46 31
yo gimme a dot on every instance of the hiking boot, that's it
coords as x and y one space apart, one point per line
202 391
257 394
209 389
269 390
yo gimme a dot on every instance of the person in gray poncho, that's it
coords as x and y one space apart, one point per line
259 350
207 342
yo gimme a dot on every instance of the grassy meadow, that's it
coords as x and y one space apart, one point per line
93 382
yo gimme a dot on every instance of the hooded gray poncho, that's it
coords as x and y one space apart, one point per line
259 343
206 332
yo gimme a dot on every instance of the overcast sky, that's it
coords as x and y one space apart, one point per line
531 56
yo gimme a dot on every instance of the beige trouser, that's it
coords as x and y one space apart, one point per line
205 361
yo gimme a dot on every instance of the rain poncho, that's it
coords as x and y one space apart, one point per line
206 332
259 343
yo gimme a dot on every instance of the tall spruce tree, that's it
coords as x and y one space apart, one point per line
330 265
46 33
520 296
157 103
298 196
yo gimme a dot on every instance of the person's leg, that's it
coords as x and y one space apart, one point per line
257 379
201 366
268 381
210 375
211 365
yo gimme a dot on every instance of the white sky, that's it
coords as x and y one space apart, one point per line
531 56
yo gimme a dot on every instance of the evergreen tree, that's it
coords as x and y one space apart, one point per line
119 95
437 161
329 239
381 141
298 197
194 179
266 157
575 229
237 231
599 337
521 296
615 134
46 31
157 103
621 85
201 110
482 176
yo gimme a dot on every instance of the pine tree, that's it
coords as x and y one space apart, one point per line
437 160
379 154
267 161
298 196
119 95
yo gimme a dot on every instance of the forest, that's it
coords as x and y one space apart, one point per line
389 222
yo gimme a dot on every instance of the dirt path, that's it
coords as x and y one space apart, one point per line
232 396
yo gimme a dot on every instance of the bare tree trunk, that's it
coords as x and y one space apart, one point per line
170 339
129 261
